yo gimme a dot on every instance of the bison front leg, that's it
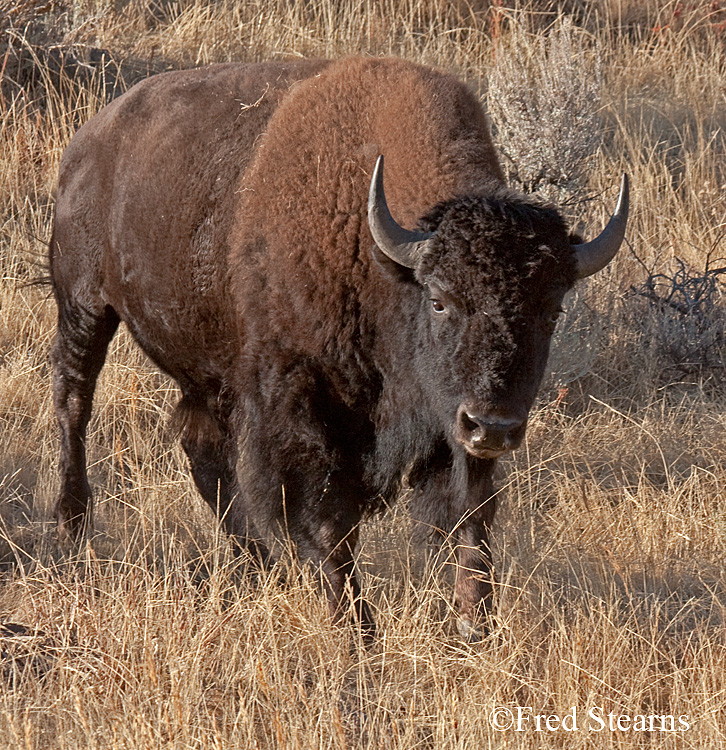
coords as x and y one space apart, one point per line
453 498
473 590
302 472
323 525
318 510
337 572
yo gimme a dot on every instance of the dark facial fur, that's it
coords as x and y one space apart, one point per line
492 285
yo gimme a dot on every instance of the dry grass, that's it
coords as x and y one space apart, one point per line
612 530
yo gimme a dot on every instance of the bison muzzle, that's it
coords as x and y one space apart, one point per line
235 219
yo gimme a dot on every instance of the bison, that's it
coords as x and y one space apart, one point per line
236 218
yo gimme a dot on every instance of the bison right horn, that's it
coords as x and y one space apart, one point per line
400 245
595 255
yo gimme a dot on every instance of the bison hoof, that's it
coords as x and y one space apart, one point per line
470 631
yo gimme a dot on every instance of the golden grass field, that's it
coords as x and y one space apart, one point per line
611 533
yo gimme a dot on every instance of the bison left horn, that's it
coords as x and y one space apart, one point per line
595 255
400 245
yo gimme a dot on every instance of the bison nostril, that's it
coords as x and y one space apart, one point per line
469 423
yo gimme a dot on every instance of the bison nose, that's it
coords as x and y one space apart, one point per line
489 434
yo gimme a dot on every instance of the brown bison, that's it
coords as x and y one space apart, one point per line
234 217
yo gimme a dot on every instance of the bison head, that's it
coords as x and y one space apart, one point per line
492 273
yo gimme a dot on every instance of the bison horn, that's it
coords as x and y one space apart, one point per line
595 255
400 245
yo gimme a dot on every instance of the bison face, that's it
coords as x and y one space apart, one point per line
491 282
491 273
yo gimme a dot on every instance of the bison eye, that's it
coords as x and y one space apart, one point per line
438 306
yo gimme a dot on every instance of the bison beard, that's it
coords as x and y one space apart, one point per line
227 215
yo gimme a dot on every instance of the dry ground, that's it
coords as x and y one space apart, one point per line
611 534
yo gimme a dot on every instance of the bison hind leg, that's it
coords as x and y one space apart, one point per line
212 455
77 356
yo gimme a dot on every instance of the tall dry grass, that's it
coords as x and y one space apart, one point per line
610 538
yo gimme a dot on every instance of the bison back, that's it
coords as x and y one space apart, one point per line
146 192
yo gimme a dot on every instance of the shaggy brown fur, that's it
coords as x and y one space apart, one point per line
221 214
